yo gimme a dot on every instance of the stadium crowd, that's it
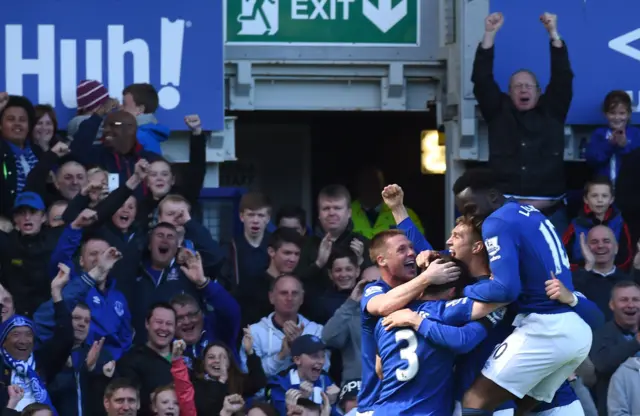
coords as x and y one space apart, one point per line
116 300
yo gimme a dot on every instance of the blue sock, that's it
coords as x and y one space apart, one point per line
476 412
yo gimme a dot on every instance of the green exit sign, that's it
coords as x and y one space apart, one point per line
323 22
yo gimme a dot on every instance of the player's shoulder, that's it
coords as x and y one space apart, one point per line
431 309
372 288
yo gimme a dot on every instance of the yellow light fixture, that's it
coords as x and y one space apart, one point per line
433 158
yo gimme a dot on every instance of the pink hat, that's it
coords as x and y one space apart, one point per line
91 94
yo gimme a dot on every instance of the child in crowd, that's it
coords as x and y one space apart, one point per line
598 210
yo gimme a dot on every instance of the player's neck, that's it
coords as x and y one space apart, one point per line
478 267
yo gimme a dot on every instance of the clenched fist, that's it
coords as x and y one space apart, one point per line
493 22
550 22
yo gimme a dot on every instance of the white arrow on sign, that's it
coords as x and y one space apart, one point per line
621 44
385 16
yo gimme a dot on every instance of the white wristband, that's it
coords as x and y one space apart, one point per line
575 300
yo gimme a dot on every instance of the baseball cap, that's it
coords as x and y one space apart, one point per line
349 390
307 344
29 199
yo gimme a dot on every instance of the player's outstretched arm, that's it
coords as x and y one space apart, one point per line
587 310
458 339
502 249
464 310
382 304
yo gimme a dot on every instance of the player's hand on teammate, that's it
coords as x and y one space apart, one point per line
441 272
424 258
393 196
358 290
557 291
587 254
402 319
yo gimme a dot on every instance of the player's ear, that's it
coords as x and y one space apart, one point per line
477 247
381 261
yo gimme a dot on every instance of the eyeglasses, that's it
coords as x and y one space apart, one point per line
527 87
188 317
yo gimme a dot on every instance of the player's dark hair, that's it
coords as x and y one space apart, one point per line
463 281
598 180
480 179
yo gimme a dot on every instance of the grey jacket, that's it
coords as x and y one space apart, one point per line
611 347
623 398
342 332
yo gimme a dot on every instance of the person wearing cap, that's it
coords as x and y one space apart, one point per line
25 254
17 155
348 399
20 361
306 375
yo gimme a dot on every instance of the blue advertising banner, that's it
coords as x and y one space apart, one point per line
177 46
600 35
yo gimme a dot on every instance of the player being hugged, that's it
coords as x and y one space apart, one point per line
399 285
549 340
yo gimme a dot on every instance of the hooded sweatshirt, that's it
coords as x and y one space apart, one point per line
267 341
623 398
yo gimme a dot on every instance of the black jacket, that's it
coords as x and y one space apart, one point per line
9 177
148 370
526 148
51 357
24 267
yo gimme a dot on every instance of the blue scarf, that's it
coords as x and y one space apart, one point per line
25 369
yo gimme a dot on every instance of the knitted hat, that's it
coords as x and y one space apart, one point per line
15 321
91 94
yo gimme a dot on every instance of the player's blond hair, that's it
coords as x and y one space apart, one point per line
378 244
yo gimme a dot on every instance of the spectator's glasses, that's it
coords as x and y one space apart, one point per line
188 317
527 87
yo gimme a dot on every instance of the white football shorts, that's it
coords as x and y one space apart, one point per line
540 354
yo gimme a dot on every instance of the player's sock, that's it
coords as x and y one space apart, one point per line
476 412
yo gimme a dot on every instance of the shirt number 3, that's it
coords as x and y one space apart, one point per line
408 354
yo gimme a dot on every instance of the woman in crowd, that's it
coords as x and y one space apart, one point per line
45 128
220 376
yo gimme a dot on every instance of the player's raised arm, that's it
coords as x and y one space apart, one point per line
501 245
378 303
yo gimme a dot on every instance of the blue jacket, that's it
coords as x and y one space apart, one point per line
278 385
604 156
151 135
110 316
221 322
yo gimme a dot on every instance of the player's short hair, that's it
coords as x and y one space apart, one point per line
274 282
479 179
118 384
472 224
284 235
463 281
175 198
598 180
254 201
379 243
335 191
624 284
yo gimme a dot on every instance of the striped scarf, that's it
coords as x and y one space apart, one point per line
25 161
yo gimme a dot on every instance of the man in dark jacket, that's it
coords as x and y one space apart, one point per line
336 230
526 128
149 365
120 151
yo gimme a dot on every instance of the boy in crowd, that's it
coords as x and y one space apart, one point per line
598 210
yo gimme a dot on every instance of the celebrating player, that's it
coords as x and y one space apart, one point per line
549 340
396 259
